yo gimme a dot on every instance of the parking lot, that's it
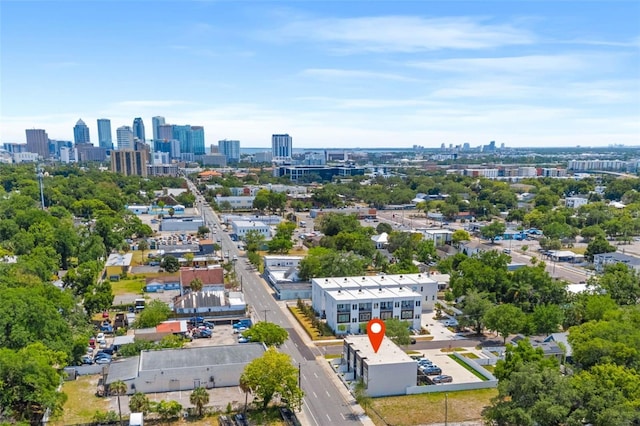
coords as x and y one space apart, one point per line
222 335
449 366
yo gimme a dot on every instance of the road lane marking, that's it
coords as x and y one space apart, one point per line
314 394
328 394
316 375
329 418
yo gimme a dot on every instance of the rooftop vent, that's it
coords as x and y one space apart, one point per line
363 278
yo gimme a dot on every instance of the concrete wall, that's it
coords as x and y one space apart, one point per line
391 379
185 379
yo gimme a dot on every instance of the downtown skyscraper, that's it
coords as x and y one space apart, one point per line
104 133
156 122
138 129
281 147
38 142
230 149
81 133
124 135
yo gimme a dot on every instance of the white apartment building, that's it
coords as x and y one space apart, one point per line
527 171
390 371
237 203
349 302
271 261
241 227
575 202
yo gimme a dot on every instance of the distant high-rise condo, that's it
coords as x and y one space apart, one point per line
104 133
230 149
81 133
138 129
124 134
165 132
197 140
38 142
281 146
156 122
129 162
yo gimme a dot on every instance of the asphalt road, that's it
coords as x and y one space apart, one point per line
323 403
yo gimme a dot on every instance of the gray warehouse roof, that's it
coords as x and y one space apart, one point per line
125 369
193 357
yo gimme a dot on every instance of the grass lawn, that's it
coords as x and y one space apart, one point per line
470 355
429 407
82 402
578 250
468 368
128 286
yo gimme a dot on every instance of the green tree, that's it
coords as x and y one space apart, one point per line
196 284
547 318
261 200
268 333
458 236
280 245
271 375
29 383
597 246
426 251
505 319
254 240
383 227
170 264
171 211
118 388
143 246
199 397
493 230
203 231
153 314
474 308
621 283
397 331
167 409
139 403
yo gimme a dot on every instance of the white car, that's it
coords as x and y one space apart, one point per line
100 338
450 322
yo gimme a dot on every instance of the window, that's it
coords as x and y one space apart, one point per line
365 316
375 306
407 314
365 306
353 320
342 318
407 304
417 303
397 304
354 307
386 315
433 297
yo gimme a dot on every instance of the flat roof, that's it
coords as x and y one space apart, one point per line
373 281
172 359
117 259
248 223
380 293
388 353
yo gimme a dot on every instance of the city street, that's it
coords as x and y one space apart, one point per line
323 402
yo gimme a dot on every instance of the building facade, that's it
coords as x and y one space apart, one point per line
240 228
104 133
124 136
197 140
156 122
281 147
138 129
129 162
38 142
81 133
389 371
230 149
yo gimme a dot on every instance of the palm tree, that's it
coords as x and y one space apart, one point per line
118 388
199 397
139 403
244 387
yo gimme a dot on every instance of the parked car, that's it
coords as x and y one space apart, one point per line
442 379
103 361
242 339
424 361
506 251
209 325
246 323
86 359
100 338
239 330
240 420
199 333
451 322
102 355
195 320
431 370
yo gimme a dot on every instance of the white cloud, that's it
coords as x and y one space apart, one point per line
334 73
510 64
405 33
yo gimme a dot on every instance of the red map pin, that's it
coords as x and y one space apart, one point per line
375 331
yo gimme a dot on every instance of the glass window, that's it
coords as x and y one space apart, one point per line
342 318
366 316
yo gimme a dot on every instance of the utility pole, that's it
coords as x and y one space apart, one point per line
265 314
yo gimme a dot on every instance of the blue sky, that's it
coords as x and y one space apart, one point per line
329 73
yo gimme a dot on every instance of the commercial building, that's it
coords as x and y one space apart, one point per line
183 369
118 264
129 163
218 160
182 224
165 132
88 152
389 371
138 129
124 136
197 140
316 173
104 133
81 133
38 142
282 273
236 203
241 227
156 122
281 147
211 302
351 301
600 261
230 149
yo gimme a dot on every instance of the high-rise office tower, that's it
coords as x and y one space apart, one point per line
81 133
165 132
230 149
197 140
281 146
38 142
124 134
156 122
138 129
104 133
183 134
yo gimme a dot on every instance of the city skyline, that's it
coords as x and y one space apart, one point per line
393 74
